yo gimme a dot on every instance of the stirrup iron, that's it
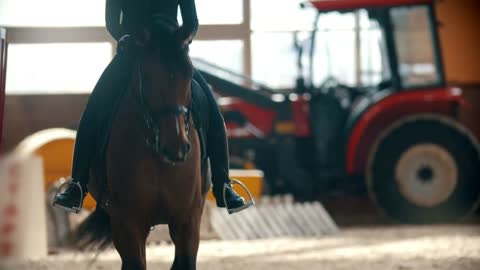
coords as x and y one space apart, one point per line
246 205
63 187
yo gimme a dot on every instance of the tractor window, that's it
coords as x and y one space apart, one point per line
414 43
373 61
350 47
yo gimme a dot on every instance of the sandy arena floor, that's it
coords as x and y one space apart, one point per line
455 247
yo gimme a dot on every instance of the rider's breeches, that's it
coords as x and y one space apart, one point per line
217 146
93 124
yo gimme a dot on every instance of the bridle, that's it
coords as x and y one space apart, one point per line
149 114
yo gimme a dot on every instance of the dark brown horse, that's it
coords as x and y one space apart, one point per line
153 173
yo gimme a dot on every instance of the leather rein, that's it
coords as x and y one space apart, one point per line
149 116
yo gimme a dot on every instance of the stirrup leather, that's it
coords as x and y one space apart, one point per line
63 187
246 205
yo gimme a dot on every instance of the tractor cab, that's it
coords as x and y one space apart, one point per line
396 50
397 44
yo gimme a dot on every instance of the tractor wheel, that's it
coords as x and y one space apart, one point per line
425 169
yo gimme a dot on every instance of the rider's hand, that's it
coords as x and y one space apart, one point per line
130 42
125 43
184 38
186 42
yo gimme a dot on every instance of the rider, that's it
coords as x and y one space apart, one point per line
126 21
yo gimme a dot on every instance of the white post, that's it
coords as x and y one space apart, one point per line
23 226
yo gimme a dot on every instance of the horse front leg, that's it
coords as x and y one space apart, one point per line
130 239
186 237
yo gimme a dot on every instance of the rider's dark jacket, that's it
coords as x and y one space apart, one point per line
132 16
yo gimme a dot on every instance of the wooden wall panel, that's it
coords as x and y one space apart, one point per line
460 39
26 114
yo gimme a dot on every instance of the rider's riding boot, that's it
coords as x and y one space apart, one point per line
72 198
217 151
219 165
233 200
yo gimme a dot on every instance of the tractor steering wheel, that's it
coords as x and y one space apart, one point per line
326 86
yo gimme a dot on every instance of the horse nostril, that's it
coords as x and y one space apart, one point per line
188 147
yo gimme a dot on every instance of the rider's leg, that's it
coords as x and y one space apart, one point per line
217 150
105 94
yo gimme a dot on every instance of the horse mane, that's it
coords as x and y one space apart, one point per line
165 40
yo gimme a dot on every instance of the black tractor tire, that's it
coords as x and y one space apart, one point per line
425 169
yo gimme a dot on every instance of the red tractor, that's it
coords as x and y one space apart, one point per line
399 138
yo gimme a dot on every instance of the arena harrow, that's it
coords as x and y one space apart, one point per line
273 217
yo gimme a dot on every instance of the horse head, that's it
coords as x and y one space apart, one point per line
165 76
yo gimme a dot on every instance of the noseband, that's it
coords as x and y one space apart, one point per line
149 116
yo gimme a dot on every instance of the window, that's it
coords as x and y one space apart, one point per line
274 56
67 13
283 15
273 59
414 42
220 11
52 13
373 56
335 56
73 48
55 68
223 53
